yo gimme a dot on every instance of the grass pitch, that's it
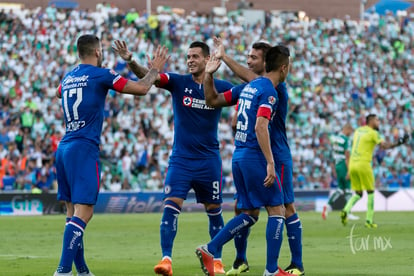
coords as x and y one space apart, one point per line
128 244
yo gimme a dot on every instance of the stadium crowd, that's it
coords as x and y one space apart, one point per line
342 70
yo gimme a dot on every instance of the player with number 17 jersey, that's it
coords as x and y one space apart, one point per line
83 101
256 99
83 92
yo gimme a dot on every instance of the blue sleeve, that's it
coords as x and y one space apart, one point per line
173 78
268 97
236 91
222 86
112 80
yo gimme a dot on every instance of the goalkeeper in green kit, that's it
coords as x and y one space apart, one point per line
340 146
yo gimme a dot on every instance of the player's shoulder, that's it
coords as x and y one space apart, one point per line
262 82
281 87
110 71
366 130
240 86
89 67
178 79
361 128
346 138
94 71
81 72
264 86
373 131
282 90
172 75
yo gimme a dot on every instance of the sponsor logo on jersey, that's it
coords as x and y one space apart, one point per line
249 89
196 103
187 90
70 79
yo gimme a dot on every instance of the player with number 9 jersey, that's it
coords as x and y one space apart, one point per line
195 161
195 140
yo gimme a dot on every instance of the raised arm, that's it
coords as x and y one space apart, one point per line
121 49
213 98
242 72
387 145
142 86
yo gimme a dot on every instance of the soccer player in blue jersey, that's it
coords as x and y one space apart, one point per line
255 68
283 161
83 91
195 161
254 170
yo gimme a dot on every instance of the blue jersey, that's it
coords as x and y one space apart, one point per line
257 98
196 124
83 91
280 144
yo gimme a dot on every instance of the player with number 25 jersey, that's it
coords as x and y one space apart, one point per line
258 98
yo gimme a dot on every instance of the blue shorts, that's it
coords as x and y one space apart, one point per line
204 176
285 171
249 175
78 171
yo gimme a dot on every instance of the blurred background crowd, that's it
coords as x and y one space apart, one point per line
342 70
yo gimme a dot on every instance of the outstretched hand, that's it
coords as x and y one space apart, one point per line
219 53
121 49
212 65
404 139
159 59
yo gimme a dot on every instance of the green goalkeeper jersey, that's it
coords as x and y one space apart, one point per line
341 144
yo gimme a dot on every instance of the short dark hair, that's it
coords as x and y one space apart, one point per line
369 117
204 47
277 56
263 46
87 44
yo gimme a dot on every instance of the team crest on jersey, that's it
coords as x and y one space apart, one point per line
167 189
187 101
271 100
